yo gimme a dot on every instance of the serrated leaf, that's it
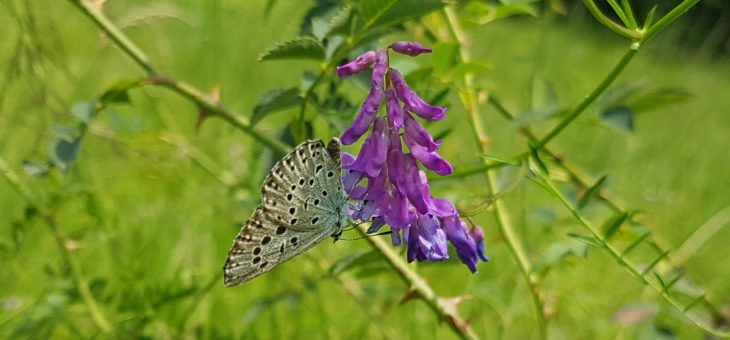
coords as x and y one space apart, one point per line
621 117
591 192
380 13
614 224
275 100
299 48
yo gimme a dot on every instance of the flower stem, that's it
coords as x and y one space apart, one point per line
445 308
469 100
187 91
81 283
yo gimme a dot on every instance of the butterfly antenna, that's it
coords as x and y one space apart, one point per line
366 236
352 226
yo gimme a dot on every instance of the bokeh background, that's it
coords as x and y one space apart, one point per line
150 205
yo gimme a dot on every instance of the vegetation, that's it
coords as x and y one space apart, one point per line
136 135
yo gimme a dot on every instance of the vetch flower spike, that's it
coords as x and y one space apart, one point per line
387 182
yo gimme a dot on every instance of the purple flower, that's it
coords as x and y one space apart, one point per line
412 101
356 66
418 134
367 115
397 191
395 112
430 159
409 48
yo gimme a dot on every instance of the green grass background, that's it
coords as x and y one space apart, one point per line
149 223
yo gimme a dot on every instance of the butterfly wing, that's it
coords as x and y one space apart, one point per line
262 245
303 203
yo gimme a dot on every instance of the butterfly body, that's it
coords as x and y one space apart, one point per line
303 203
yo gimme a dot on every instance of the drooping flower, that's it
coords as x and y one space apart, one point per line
397 191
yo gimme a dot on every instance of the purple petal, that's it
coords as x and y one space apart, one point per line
442 207
378 222
350 180
395 236
413 184
412 101
396 168
419 134
357 192
381 66
379 149
364 118
412 239
346 159
431 160
458 235
398 216
432 239
395 111
358 65
478 235
425 110
409 48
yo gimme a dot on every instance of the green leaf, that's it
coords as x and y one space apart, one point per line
444 56
480 13
63 153
621 117
379 13
501 160
535 156
299 48
614 224
84 111
591 192
117 93
275 100
658 98
585 239
650 17
269 6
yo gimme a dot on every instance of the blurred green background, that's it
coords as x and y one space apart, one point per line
151 206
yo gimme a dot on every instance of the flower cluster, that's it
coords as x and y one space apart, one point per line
387 183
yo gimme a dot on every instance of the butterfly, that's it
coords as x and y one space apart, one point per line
303 203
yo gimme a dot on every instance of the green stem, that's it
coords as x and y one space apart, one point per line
188 91
670 17
610 24
81 283
625 263
469 100
445 308
597 92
